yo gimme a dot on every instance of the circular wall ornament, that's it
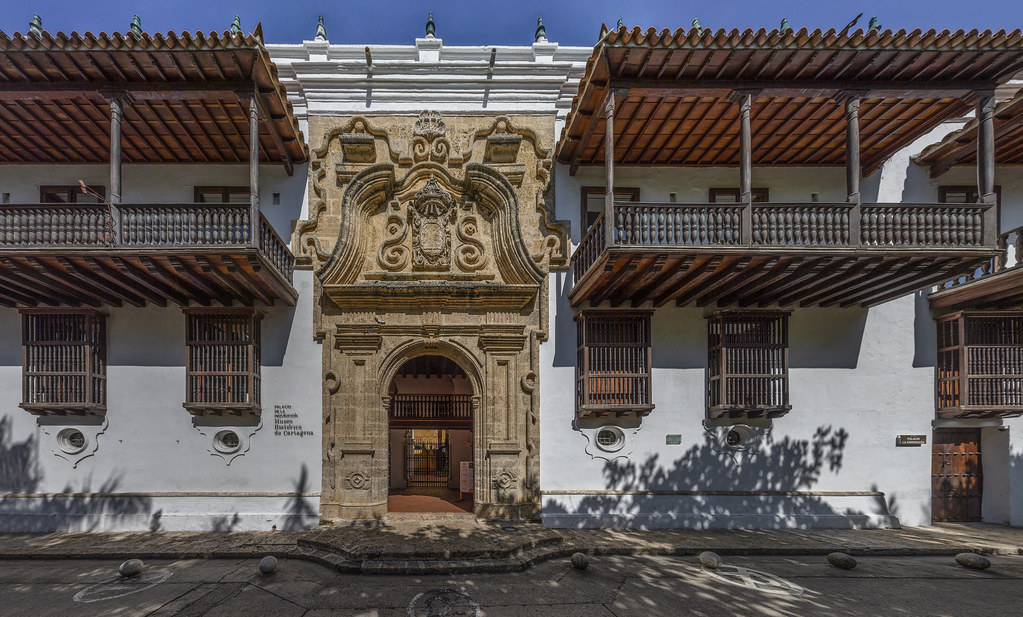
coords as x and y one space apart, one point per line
610 438
357 480
72 441
226 441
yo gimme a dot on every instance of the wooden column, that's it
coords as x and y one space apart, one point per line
744 99
254 223
116 115
609 169
852 165
986 165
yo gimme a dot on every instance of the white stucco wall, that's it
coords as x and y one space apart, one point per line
153 467
858 379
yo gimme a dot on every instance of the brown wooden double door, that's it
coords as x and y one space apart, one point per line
956 475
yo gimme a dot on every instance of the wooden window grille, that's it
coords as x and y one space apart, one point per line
222 359
730 195
614 363
748 364
64 362
980 364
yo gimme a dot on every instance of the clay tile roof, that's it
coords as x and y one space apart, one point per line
960 147
671 90
187 90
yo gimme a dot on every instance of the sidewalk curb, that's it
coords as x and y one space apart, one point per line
482 563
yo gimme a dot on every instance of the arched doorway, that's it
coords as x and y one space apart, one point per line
430 437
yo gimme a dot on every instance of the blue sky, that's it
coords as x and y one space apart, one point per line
485 22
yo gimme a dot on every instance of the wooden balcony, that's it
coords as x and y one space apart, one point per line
777 254
95 255
998 284
980 364
432 411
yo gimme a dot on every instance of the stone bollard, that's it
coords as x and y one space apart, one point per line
973 560
841 560
710 559
580 561
130 568
268 564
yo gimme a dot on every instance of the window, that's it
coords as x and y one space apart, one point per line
593 202
748 364
222 360
613 362
71 194
980 364
222 195
64 362
962 194
731 195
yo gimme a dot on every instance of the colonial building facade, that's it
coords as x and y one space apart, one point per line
682 278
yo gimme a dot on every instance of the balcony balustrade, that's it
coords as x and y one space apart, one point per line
649 250
431 410
210 246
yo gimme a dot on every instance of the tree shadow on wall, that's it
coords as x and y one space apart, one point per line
69 510
300 514
783 465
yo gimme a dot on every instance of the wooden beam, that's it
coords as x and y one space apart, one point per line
59 285
154 90
183 291
807 270
185 272
275 135
805 87
96 281
716 287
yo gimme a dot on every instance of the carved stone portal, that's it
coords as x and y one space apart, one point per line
433 236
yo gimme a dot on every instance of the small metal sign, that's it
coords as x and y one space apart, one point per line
673 440
910 441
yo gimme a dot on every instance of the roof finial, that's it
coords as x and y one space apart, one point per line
620 24
874 24
136 26
541 32
696 26
321 32
785 24
431 28
236 25
36 26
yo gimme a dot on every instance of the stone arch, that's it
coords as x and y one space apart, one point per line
413 349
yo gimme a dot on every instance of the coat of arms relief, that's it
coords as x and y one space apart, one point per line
431 219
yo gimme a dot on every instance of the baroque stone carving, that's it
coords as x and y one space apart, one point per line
471 255
393 255
357 480
433 235
432 212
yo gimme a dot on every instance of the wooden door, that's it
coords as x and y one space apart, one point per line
956 475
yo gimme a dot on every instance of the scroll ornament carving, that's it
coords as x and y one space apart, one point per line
393 255
428 142
432 212
528 382
471 255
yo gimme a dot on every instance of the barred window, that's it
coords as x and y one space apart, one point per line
748 364
613 363
64 361
980 364
222 359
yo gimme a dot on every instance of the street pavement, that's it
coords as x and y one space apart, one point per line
758 586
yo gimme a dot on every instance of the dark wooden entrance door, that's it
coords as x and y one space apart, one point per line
956 475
